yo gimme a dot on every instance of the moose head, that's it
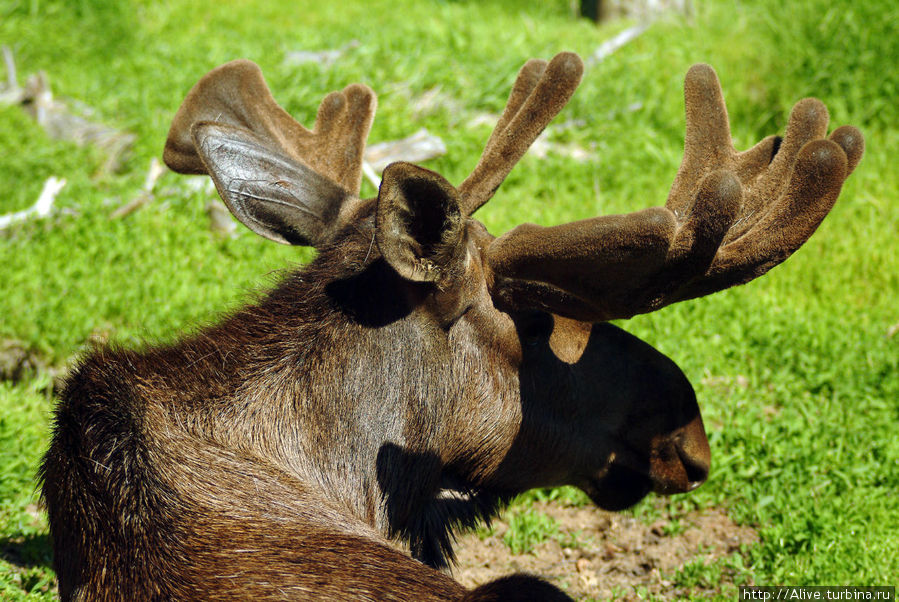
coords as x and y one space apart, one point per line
420 371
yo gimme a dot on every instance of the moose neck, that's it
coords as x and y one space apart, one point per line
299 391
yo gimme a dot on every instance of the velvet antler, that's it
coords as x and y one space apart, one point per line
283 181
730 217
541 90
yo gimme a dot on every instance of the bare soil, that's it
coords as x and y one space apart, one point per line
602 555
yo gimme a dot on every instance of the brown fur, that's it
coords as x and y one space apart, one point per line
325 441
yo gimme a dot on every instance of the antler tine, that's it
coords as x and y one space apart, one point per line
539 93
707 138
335 147
818 173
730 217
790 184
236 94
525 83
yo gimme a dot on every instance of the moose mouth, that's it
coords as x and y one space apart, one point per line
676 463
620 486
617 487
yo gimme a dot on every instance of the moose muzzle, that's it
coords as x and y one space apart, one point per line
679 462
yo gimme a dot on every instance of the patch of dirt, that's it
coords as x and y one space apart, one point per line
599 554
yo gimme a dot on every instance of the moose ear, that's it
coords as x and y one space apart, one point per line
419 224
270 193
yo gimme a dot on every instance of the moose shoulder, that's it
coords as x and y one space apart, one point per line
419 372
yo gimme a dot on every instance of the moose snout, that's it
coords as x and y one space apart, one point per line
680 460
694 452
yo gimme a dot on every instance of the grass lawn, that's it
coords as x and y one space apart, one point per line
797 373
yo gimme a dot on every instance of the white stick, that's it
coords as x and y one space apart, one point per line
609 46
11 80
41 208
420 146
10 93
372 176
146 194
156 170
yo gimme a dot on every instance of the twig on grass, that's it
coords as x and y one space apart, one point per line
608 47
146 194
41 208
324 58
58 119
11 93
420 146
220 220
370 174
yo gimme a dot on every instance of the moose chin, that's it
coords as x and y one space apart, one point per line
325 441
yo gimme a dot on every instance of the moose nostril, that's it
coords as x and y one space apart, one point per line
693 450
697 471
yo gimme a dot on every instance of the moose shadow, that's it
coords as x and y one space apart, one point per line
425 501
27 551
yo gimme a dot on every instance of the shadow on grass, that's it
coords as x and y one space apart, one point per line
27 551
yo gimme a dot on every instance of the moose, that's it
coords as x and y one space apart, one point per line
326 440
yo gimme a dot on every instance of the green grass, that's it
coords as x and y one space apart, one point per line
527 529
803 444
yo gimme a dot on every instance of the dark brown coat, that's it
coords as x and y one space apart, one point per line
325 441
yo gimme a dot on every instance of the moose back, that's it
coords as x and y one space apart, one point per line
326 441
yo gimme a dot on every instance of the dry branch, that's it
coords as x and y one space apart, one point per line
41 208
610 46
420 146
146 194
220 220
58 119
324 58
542 147
11 93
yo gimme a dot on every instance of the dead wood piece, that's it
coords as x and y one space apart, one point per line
608 47
434 100
319 57
146 194
420 146
41 208
542 147
10 93
482 119
59 119
371 175
220 220
61 123
198 184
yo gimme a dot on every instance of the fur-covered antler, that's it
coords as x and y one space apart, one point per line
541 90
412 195
730 217
230 127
